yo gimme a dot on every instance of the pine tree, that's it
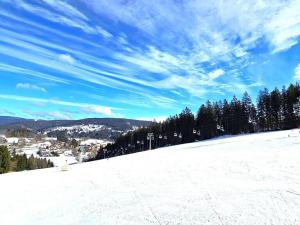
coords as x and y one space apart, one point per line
276 109
290 100
206 121
226 117
261 112
247 107
217 107
236 116
186 123
22 163
273 111
4 160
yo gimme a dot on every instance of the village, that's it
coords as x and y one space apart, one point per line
59 152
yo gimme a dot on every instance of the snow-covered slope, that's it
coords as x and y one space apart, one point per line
250 179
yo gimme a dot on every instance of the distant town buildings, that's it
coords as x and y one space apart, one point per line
51 148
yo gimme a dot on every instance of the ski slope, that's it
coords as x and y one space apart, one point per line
242 180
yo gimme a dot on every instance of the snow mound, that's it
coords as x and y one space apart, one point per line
242 180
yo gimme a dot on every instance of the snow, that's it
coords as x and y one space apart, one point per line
94 142
33 149
77 128
241 180
62 160
12 140
50 138
42 144
30 150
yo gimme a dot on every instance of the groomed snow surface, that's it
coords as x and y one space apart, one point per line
248 179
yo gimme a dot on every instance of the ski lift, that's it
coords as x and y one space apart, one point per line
218 127
142 142
165 137
175 134
194 131
137 142
180 136
198 133
160 136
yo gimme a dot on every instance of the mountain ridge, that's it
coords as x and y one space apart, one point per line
112 127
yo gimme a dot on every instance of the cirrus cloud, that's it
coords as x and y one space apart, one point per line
100 110
66 58
30 87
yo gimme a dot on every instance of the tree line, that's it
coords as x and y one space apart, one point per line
13 162
275 110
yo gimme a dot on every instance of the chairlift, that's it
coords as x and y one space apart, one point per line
180 136
194 131
198 133
137 142
175 134
165 137
160 136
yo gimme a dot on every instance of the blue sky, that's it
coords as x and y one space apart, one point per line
141 59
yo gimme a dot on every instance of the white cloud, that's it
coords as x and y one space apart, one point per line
103 32
212 24
66 8
52 115
198 37
215 74
256 84
67 15
297 72
57 115
23 71
30 87
156 119
84 106
66 58
98 110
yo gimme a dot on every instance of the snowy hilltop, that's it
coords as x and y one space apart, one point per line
241 180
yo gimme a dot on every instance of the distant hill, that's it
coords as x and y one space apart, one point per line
100 128
10 119
20 133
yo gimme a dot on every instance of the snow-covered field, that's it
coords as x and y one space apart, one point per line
77 128
62 160
250 179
